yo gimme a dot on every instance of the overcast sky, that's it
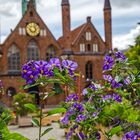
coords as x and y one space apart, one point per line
125 16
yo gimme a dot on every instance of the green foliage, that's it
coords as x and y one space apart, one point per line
20 100
133 55
32 107
5 117
56 111
114 131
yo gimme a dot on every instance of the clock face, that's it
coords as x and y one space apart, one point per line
32 29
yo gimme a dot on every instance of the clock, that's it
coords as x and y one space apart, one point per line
32 29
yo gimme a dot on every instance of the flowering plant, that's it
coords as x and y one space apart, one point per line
108 108
43 75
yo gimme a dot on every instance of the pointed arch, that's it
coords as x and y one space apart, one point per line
32 51
51 52
89 70
13 57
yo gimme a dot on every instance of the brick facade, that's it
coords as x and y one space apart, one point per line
85 35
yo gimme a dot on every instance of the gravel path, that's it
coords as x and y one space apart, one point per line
32 132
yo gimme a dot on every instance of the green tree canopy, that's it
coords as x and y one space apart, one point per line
133 53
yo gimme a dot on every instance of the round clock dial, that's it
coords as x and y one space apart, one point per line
32 29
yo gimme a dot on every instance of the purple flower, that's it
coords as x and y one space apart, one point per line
81 135
115 84
95 114
120 56
80 118
84 92
106 97
108 63
129 135
65 119
70 65
78 107
72 97
108 78
30 72
117 97
54 62
42 67
127 81
97 135
92 86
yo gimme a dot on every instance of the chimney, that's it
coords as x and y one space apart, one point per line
89 19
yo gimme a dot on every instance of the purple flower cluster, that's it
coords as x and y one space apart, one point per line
120 56
113 82
114 96
108 63
33 69
132 135
80 118
110 60
85 90
76 107
65 119
72 97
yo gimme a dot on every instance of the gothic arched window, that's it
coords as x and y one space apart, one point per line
50 52
89 70
32 51
13 59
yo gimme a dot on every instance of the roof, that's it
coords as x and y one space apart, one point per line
107 5
74 34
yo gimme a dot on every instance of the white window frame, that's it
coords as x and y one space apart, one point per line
82 47
95 47
88 36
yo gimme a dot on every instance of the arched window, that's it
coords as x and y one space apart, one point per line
89 70
32 51
13 59
50 52
11 91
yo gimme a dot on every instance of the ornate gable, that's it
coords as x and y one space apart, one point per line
37 30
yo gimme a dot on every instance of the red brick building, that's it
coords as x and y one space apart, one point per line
32 40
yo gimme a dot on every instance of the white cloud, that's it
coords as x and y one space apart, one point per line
50 11
123 41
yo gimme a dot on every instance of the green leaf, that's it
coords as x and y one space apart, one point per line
35 122
46 131
32 107
14 136
114 130
30 86
55 111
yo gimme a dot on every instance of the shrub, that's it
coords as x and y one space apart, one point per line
20 100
